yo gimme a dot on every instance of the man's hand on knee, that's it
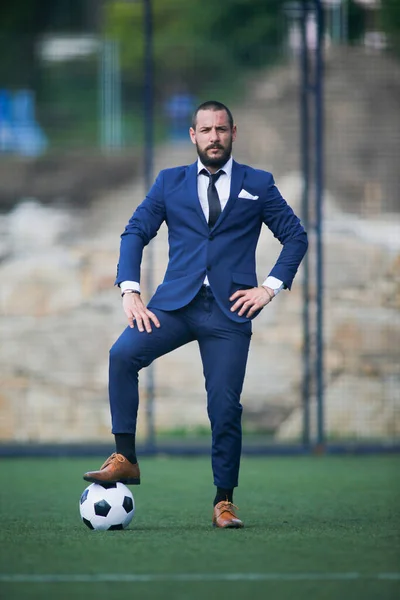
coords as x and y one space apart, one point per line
135 310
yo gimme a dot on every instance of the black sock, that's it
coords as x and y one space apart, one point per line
223 494
125 445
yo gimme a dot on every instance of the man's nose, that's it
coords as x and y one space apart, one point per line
214 135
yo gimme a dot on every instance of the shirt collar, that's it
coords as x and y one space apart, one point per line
227 167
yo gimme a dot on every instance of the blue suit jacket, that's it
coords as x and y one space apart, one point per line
226 253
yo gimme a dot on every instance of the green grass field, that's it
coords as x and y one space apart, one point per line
315 528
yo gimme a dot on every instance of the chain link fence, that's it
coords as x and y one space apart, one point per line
72 166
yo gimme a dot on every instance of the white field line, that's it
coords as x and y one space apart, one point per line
188 577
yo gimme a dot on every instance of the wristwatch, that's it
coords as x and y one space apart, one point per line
129 292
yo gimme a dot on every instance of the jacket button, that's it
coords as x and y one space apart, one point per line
208 267
211 237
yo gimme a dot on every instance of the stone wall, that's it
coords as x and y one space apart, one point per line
60 314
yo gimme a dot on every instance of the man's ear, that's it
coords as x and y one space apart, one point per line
234 132
192 135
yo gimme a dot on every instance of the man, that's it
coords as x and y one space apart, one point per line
214 210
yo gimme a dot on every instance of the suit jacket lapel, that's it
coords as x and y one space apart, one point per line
236 186
194 195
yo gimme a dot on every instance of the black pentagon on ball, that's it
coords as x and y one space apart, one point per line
115 527
127 504
87 523
107 486
84 495
102 508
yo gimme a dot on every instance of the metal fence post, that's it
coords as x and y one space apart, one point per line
305 169
110 96
319 185
148 100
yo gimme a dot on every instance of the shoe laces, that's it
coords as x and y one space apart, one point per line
117 457
114 456
229 507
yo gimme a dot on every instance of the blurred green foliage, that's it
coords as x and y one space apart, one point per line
198 42
390 21
22 23
356 21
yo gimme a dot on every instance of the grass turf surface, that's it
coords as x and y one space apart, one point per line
303 516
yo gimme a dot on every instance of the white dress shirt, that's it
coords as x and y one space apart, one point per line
223 185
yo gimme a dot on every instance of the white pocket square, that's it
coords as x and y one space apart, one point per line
247 195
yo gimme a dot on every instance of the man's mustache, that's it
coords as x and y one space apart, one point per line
215 147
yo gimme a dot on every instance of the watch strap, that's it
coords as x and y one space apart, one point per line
130 292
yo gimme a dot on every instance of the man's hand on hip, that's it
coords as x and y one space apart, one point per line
135 310
250 301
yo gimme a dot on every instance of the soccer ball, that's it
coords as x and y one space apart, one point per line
107 506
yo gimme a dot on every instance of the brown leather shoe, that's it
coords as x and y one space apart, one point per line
225 516
116 468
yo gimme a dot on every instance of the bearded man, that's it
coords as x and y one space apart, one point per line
214 210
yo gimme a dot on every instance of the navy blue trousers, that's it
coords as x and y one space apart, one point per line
224 346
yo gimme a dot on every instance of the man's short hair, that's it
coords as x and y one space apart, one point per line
212 105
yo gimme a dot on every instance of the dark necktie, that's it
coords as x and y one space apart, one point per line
214 205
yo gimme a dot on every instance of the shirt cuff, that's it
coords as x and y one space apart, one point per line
273 283
129 285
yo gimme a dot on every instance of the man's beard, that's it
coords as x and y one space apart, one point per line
215 162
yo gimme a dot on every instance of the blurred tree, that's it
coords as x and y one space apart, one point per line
22 22
197 41
390 20
252 29
37 16
357 21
